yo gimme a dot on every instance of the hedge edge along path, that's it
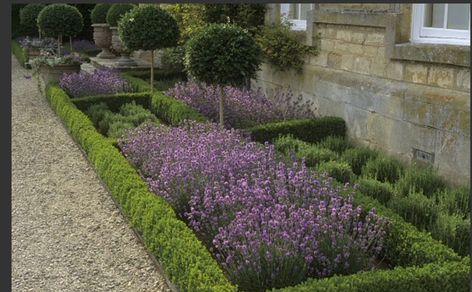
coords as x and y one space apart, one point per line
20 53
183 257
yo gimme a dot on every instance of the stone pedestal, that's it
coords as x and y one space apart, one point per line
102 38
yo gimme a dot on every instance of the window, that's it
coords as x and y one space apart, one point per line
296 14
441 23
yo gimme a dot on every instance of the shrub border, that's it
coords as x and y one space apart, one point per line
183 257
143 208
20 53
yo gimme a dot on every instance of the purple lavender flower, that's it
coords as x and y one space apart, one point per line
243 108
269 225
102 81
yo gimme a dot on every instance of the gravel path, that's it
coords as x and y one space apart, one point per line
67 234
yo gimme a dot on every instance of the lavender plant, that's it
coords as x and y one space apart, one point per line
269 225
84 46
243 107
102 81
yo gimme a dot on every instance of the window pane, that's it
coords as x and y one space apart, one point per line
434 15
458 16
293 12
303 10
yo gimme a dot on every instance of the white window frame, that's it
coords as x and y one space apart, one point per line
297 24
422 34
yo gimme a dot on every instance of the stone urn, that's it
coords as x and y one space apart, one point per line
117 45
54 73
102 38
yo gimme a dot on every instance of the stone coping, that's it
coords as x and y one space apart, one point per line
433 53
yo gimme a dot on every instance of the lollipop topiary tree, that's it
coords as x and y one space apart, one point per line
58 20
148 28
222 54
29 16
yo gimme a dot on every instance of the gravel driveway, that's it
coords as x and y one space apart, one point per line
67 234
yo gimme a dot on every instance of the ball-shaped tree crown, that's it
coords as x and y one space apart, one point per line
222 54
99 13
116 11
148 28
29 16
60 19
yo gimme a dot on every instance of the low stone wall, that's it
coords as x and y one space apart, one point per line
402 98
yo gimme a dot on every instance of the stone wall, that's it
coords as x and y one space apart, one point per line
395 96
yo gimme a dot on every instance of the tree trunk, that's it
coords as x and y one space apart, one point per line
222 108
152 71
70 44
59 41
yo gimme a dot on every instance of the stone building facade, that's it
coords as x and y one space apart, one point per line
410 99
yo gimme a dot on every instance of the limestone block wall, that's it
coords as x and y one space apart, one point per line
395 96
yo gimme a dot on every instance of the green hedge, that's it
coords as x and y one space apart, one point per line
166 108
20 53
173 111
184 258
113 101
446 277
405 245
310 130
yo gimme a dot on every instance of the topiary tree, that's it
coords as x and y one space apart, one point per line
60 20
116 11
148 28
99 13
222 54
28 17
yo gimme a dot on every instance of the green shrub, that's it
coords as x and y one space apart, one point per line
248 16
116 11
189 17
173 111
404 244
148 28
383 169
339 170
117 128
99 13
222 54
450 277
335 143
381 191
60 20
288 144
416 208
167 238
357 157
113 101
283 48
309 130
454 231
136 114
97 112
29 16
315 155
420 180
20 53
454 200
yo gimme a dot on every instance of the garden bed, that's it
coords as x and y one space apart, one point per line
414 254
